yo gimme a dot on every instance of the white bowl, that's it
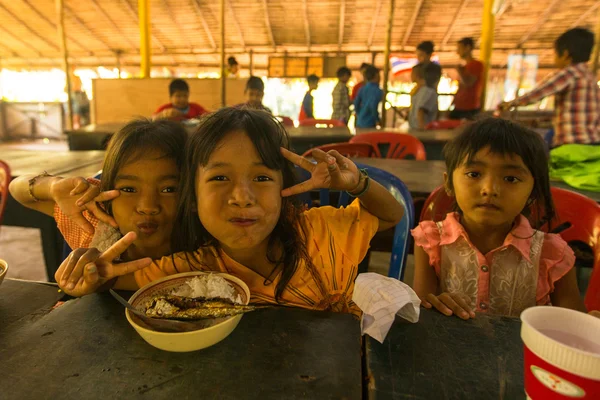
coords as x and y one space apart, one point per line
3 270
184 341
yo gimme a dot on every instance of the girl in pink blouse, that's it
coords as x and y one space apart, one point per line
486 257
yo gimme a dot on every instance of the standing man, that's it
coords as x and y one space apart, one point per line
467 101
424 52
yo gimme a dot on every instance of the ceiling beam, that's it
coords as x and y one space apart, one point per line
268 23
11 51
450 29
411 23
585 15
26 44
85 27
182 34
53 25
200 14
134 15
503 9
546 14
237 24
374 24
342 23
306 23
114 25
34 33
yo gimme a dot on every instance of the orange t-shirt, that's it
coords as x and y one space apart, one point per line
469 98
73 234
337 239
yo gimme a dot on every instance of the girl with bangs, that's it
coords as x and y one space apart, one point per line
239 214
486 257
137 193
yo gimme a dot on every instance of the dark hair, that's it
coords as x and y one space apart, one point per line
506 137
343 71
579 42
254 82
312 78
178 85
364 65
268 136
137 138
371 73
231 61
426 47
431 73
467 41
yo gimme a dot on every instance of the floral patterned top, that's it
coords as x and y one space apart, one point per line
519 274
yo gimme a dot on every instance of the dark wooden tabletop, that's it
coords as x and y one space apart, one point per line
85 349
60 163
447 358
423 177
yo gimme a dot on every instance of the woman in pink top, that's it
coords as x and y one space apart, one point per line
486 257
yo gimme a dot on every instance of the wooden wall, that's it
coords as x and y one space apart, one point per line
119 100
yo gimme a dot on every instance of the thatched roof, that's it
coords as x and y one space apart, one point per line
187 32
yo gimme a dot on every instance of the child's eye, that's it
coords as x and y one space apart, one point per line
512 179
473 174
263 178
127 189
170 189
219 178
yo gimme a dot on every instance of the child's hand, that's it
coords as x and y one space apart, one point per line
448 304
505 105
91 200
86 270
332 171
171 113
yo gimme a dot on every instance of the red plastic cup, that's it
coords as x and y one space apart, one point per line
562 354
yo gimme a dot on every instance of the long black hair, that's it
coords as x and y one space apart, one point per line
268 136
506 138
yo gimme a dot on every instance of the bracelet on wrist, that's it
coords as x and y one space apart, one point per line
32 183
364 177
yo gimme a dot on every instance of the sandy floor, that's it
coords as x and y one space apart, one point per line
22 250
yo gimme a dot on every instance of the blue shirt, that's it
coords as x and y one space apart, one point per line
366 104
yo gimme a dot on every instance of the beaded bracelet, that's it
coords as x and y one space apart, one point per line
365 175
32 182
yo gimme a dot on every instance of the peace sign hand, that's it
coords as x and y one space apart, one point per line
86 270
332 171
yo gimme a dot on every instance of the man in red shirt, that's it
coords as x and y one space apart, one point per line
467 100
180 107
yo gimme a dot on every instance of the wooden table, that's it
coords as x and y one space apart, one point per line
66 164
423 177
85 349
447 358
95 137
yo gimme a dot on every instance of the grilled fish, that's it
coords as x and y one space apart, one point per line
186 308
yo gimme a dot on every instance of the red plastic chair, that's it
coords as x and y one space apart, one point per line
329 122
399 145
349 150
444 124
580 215
285 121
4 182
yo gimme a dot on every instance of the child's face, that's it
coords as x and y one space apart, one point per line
463 50
344 78
180 99
254 97
313 85
562 60
239 198
493 190
423 57
147 203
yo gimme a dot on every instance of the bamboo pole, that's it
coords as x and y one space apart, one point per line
223 76
386 60
145 49
60 12
118 59
487 41
251 67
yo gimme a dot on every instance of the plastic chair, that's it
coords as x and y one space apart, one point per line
399 190
347 149
329 122
285 121
5 179
579 216
398 145
444 124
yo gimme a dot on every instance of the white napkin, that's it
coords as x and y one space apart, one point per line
381 298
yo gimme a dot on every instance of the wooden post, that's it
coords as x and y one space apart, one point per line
251 66
386 60
60 12
487 41
223 76
118 56
596 52
145 49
